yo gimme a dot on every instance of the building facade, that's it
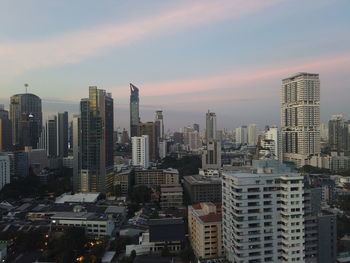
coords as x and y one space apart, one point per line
263 218
140 151
4 170
5 130
300 117
134 110
210 131
205 230
211 155
96 141
26 117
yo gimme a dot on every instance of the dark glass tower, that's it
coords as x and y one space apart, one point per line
96 124
134 110
26 117
62 127
5 130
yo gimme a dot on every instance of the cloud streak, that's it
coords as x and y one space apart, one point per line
253 76
76 46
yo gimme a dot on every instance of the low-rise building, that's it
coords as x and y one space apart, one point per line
199 189
122 182
205 230
153 177
171 195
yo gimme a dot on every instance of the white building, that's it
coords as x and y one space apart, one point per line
271 142
300 117
263 218
140 151
4 170
252 134
242 135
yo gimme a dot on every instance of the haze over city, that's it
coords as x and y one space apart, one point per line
186 57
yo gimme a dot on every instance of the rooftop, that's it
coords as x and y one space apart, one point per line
201 179
77 198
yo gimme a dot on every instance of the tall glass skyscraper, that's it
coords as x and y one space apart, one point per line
134 110
96 142
26 117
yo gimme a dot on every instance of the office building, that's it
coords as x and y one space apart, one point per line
4 170
196 127
263 218
242 135
171 196
338 134
210 128
140 151
159 120
19 164
96 143
252 135
134 110
205 230
122 182
76 138
62 134
200 189
211 155
26 117
51 129
152 130
154 177
300 117
5 130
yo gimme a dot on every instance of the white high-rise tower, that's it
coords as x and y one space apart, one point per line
300 117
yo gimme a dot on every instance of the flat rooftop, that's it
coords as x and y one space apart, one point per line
201 179
77 198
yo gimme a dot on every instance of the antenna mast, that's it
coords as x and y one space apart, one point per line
26 87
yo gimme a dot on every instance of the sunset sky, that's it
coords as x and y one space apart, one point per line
185 56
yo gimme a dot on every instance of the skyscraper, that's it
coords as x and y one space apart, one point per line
62 132
26 117
242 135
51 129
210 132
211 156
300 117
96 149
252 136
140 151
76 138
159 119
5 130
150 129
134 110
338 131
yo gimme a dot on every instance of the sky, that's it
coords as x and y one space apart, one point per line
186 57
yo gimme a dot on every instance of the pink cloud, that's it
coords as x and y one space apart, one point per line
76 46
249 76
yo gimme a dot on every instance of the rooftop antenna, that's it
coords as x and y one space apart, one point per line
26 86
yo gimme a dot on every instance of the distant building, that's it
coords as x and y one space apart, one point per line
5 130
300 117
210 132
205 230
159 119
338 134
242 135
152 130
134 110
62 132
96 142
140 151
4 170
51 129
153 177
171 196
122 182
26 117
252 135
19 164
200 189
211 155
